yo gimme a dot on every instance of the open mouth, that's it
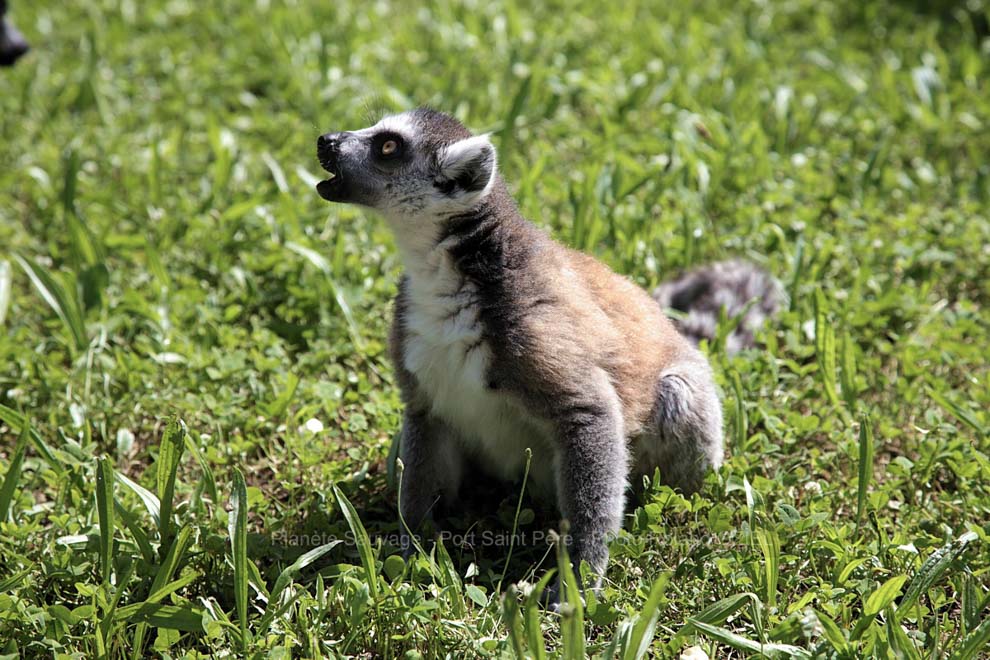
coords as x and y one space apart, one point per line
327 187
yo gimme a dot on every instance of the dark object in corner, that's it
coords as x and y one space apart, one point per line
12 43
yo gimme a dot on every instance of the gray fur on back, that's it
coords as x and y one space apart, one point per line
702 292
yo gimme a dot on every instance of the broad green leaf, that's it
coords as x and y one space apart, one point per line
832 633
974 643
476 595
900 643
174 617
884 595
770 547
932 569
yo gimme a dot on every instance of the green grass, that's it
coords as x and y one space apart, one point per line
164 257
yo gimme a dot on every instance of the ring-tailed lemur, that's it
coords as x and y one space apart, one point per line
505 340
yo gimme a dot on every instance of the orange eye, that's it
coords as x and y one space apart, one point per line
389 147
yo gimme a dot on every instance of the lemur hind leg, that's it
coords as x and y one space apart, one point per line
431 474
684 437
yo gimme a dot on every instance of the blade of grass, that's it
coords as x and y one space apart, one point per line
277 173
533 616
19 422
646 621
506 133
361 540
277 408
110 613
849 390
449 579
140 537
770 547
741 643
825 347
833 634
163 575
960 413
571 607
286 577
971 603
510 615
717 613
209 481
238 547
739 421
176 553
10 582
6 277
13 473
175 617
169 456
900 643
797 271
54 294
323 266
105 511
865 465
130 611
515 519
151 502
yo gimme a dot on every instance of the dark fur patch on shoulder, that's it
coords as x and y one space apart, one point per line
496 249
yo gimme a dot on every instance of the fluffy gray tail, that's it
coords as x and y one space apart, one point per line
742 288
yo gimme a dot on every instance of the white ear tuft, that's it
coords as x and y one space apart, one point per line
468 166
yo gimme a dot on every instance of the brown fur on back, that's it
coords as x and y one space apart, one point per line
616 324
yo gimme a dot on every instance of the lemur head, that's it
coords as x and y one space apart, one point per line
414 164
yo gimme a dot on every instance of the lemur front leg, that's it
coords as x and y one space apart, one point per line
431 474
592 463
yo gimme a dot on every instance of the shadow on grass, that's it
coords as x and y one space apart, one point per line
479 533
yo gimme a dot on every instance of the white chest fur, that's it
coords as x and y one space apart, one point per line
446 351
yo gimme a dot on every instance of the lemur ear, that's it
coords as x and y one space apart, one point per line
467 166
